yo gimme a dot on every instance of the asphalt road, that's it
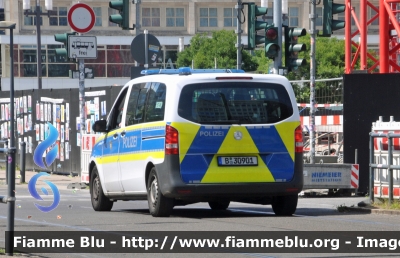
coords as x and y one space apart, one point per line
75 213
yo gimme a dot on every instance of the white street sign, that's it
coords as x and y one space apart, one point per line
82 47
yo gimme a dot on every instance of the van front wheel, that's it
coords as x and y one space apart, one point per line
99 201
159 205
285 205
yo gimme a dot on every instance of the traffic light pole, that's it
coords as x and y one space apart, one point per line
313 34
38 13
146 49
81 66
278 24
239 8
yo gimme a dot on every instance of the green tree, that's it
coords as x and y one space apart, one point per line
264 63
204 51
329 58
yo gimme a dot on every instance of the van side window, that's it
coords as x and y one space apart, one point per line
115 118
132 103
155 105
139 110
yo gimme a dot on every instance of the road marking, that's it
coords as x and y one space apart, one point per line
51 224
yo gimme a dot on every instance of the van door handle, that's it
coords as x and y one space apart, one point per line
123 134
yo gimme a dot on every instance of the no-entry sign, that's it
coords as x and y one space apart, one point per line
81 18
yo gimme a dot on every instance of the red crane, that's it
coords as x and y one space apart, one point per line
386 12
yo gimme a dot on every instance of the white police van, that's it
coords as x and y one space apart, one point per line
176 137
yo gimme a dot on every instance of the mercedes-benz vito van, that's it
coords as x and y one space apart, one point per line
176 137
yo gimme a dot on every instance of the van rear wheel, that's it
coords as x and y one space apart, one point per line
159 205
219 205
284 205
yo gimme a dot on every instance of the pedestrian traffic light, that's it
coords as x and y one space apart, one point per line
292 48
253 25
63 38
272 47
328 23
122 18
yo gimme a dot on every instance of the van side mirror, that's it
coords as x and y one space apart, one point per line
100 126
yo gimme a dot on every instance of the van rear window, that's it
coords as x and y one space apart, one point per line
235 102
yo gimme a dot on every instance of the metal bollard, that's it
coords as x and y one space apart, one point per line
22 159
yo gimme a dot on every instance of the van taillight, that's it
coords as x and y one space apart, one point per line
298 139
171 141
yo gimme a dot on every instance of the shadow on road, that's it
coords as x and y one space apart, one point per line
235 212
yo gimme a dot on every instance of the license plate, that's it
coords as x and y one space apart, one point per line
237 161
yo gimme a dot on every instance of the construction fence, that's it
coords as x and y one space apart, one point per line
328 114
35 109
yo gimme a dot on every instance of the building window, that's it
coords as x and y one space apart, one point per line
112 61
372 13
208 17
97 13
230 17
119 61
342 17
151 17
60 19
269 17
31 20
318 21
175 17
293 16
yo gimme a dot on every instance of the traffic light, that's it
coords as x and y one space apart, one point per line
292 48
253 25
271 42
328 23
122 18
63 38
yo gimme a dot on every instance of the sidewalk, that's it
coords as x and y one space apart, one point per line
61 181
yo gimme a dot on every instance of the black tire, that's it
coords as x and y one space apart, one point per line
159 205
219 205
99 201
285 205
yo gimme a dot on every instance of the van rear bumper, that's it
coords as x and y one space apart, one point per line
172 185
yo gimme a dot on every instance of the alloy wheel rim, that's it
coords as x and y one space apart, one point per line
153 191
96 188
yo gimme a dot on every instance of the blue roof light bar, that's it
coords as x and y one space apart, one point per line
188 71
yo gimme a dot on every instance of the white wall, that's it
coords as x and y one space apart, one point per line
59 83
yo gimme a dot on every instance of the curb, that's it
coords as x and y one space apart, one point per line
373 210
77 186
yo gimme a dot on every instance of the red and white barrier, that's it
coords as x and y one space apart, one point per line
319 105
354 176
383 191
381 156
323 120
87 143
381 144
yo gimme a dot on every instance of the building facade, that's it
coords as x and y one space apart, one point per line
167 20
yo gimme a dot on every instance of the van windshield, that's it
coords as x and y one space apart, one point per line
235 103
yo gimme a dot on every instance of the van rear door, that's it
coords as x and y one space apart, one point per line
237 132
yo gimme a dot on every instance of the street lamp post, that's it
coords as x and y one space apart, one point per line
11 149
37 13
